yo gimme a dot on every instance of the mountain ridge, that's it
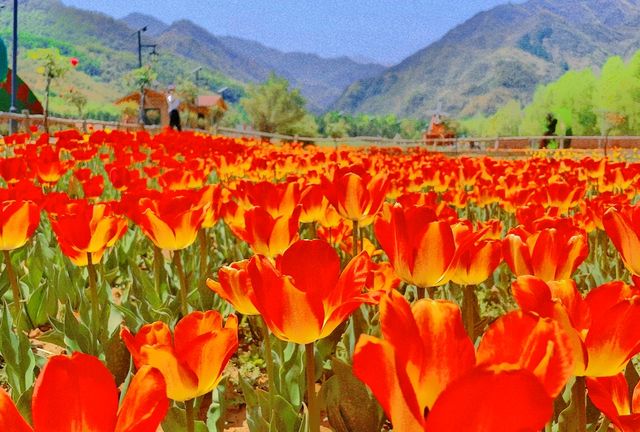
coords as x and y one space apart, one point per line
498 55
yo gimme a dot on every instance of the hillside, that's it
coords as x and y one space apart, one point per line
498 55
322 80
107 50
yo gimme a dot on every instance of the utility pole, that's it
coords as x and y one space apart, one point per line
14 68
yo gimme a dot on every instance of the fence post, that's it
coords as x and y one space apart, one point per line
27 121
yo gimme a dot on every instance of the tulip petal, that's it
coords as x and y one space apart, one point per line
205 346
75 394
527 341
611 396
182 383
10 419
621 232
289 312
145 404
374 364
503 401
611 341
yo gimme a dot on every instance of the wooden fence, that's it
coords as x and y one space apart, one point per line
485 146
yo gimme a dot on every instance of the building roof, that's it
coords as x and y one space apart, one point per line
211 101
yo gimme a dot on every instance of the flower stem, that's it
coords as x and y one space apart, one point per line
189 414
470 310
271 375
177 261
578 395
93 291
314 408
157 269
15 288
355 237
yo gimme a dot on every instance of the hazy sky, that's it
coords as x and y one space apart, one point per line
384 30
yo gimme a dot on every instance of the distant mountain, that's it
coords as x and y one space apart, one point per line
107 49
500 54
322 80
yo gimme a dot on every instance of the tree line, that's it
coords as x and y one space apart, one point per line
582 102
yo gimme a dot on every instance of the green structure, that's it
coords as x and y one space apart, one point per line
4 61
25 99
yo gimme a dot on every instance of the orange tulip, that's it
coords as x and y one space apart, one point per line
267 235
171 220
82 228
18 221
419 247
355 194
193 363
553 250
277 199
475 259
526 341
624 231
78 394
407 378
234 286
526 354
305 297
611 396
602 340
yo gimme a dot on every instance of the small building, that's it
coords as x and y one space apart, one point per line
208 109
155 107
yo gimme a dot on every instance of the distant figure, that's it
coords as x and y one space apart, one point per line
173 104
551 124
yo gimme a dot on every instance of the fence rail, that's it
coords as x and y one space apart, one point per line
481 145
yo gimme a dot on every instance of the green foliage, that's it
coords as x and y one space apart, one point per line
338 125
583 104
4 61
273 107
141 77
77 99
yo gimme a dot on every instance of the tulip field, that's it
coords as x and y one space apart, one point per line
185 282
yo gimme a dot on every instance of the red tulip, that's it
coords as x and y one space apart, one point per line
611 396
193 362
551 250
83 228
601 339
78 393
355 194
419 246
305 297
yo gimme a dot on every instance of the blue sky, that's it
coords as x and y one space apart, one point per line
384 30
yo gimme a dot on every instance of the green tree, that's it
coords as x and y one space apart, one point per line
52 65
273 107
77 99
505 121
141 79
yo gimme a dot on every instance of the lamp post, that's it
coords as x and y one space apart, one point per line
139 33
14 67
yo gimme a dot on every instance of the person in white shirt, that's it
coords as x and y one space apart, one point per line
174 103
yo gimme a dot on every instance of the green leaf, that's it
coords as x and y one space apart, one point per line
20 362
175 421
